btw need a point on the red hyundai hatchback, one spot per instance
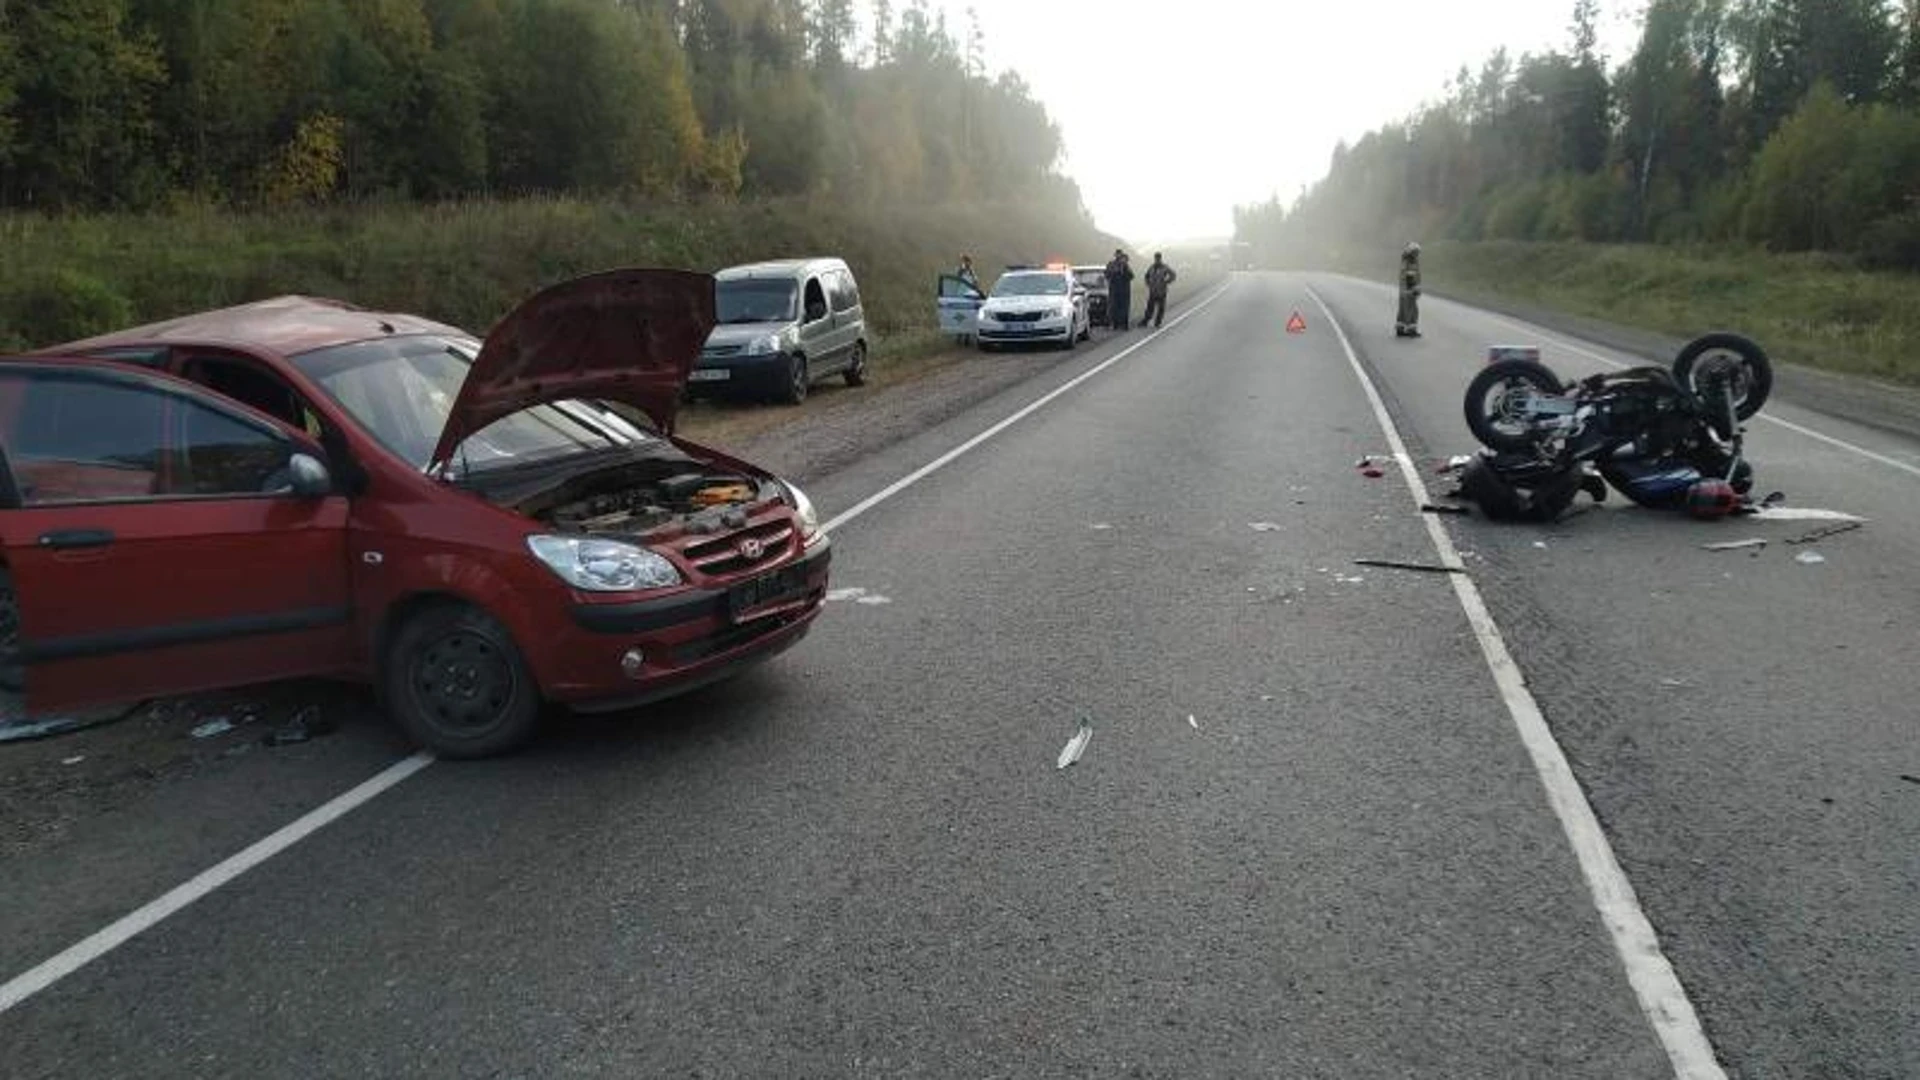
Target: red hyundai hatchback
(299, 488)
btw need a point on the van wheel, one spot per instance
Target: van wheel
(856, 373)
(798, 382)
(457, 685)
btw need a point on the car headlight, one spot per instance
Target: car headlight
(810, 532)
(1066, 310)
(603, 565)
(762, 346)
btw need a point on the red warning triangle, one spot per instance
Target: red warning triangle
(1296, 325)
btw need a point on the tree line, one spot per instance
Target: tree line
(1792, 125)
(144, 104)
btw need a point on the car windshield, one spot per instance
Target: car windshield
(1031, 285)
(755, 300)
(402, 389)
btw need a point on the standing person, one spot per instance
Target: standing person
(1159, 276)
(1407, 322)
(1119, 291)
(965, 273)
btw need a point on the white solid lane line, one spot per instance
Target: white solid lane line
(1658, 989)
(1581, 350)
(952, 455)
(85, 951)
(120, 931)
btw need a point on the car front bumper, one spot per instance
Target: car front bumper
(1056, 329)
(687, 640)
(740, 374)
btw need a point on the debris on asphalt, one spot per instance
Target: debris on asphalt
(1810, 558)
(1100, 526)
(1910, 779)
(1076, 745)
(1541, 544)
(1345, 580)
(1454, 464)
(835, 596)
(1263, 526)
(307, 724)
(1266, 697)
(74, 760)
(17, 726)
(1430, 568)
(873, 600)
(217, 726)
(1675, 684)
(1435, 508)
(1736, 545)
(1830, 530)
(1193, 722)
(1799, 513)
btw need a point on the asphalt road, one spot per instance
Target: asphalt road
(862, 860)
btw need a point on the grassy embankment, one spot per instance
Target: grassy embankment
(1818, 310)
(468, 263)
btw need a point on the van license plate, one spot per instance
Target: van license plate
(770, 590)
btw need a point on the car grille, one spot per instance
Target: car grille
(1020, 316)
(722, 350)
(722, 555)
(733, 638)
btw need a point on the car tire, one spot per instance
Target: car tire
(798, 381)
(455, 682)
(856, 373)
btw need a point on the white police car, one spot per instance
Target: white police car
(1034, 305)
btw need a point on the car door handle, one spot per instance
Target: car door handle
(69, 539)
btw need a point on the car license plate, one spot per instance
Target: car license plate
(766, 591)
(710, 375)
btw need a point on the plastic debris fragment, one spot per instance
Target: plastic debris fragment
(1430, 568)
(1810, 558)
(1736, 545)
(1076, 745)
(218, 726)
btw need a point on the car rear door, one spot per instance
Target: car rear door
(154, 543)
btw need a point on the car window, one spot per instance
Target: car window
(77, 438)
(755, 300)
(401, 391)
(153, 356)
(845, 296)
(1031, 285)
(218, 454)
(816, 300)
(253, 385)
(952, 287)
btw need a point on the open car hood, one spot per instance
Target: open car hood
(629, 336)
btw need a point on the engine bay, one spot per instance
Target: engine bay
(644, 497)
(698, 501)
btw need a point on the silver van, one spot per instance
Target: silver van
(781, 327)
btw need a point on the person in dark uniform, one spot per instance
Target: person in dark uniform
(1119, 291)
(1159, 276)
(1407, 322)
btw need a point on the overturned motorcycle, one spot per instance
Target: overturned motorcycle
(1666, 438)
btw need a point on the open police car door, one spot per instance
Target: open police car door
(959, 306)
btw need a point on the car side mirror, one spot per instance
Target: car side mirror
(310, 477)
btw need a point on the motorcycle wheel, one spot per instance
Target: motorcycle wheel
(1752, 383)
(1496, 425)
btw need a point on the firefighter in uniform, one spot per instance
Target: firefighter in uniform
(1407, 322)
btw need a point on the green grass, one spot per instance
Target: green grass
(469, 263)
(1817, 310)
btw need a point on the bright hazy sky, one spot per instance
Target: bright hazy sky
(1175, 110)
